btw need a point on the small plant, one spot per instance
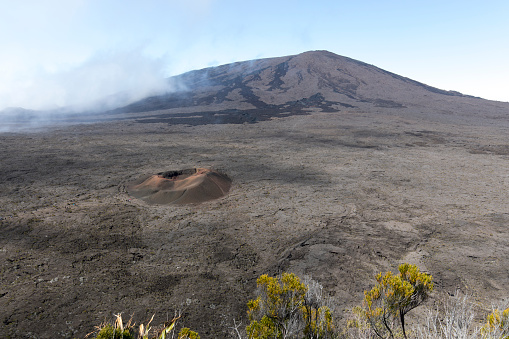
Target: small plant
(393, 297)
(186, 333)
(120, 331)
(144, 330)
(169, 331)
(453, 319)
(110, 332)
(288, 308)
(276, 311)
(497, 325)
(317, 311)
(116, 331)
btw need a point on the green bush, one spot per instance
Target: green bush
(497, 325)
(110, 332)
(386, 304)
(288, 308)
(186, 333)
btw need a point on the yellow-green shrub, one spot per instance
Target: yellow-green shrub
(393, 297)
(110, 332)
(284, 308)
(497, 325)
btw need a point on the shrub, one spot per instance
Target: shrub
(393, 297)
(318, 318)
(116, 331)
(275, 313)
(288, 308)
(110, 332)
(453, 319)
(186, 333)
(497, 325)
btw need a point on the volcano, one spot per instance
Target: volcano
(316, 81)
(265, 89)
(190, 186)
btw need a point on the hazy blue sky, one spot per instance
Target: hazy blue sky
(68, 52)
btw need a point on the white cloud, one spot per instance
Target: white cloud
(129, 75)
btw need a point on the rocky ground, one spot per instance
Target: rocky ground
(338, 196)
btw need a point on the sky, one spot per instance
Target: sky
(59, 53)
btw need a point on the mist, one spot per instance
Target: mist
(105, 81)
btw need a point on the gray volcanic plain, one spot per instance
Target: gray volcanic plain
(339, 170)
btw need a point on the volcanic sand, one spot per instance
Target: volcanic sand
(338, 196)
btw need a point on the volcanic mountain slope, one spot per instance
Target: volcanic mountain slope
(262, 89)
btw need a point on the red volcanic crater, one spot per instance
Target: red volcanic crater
(189, 186)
